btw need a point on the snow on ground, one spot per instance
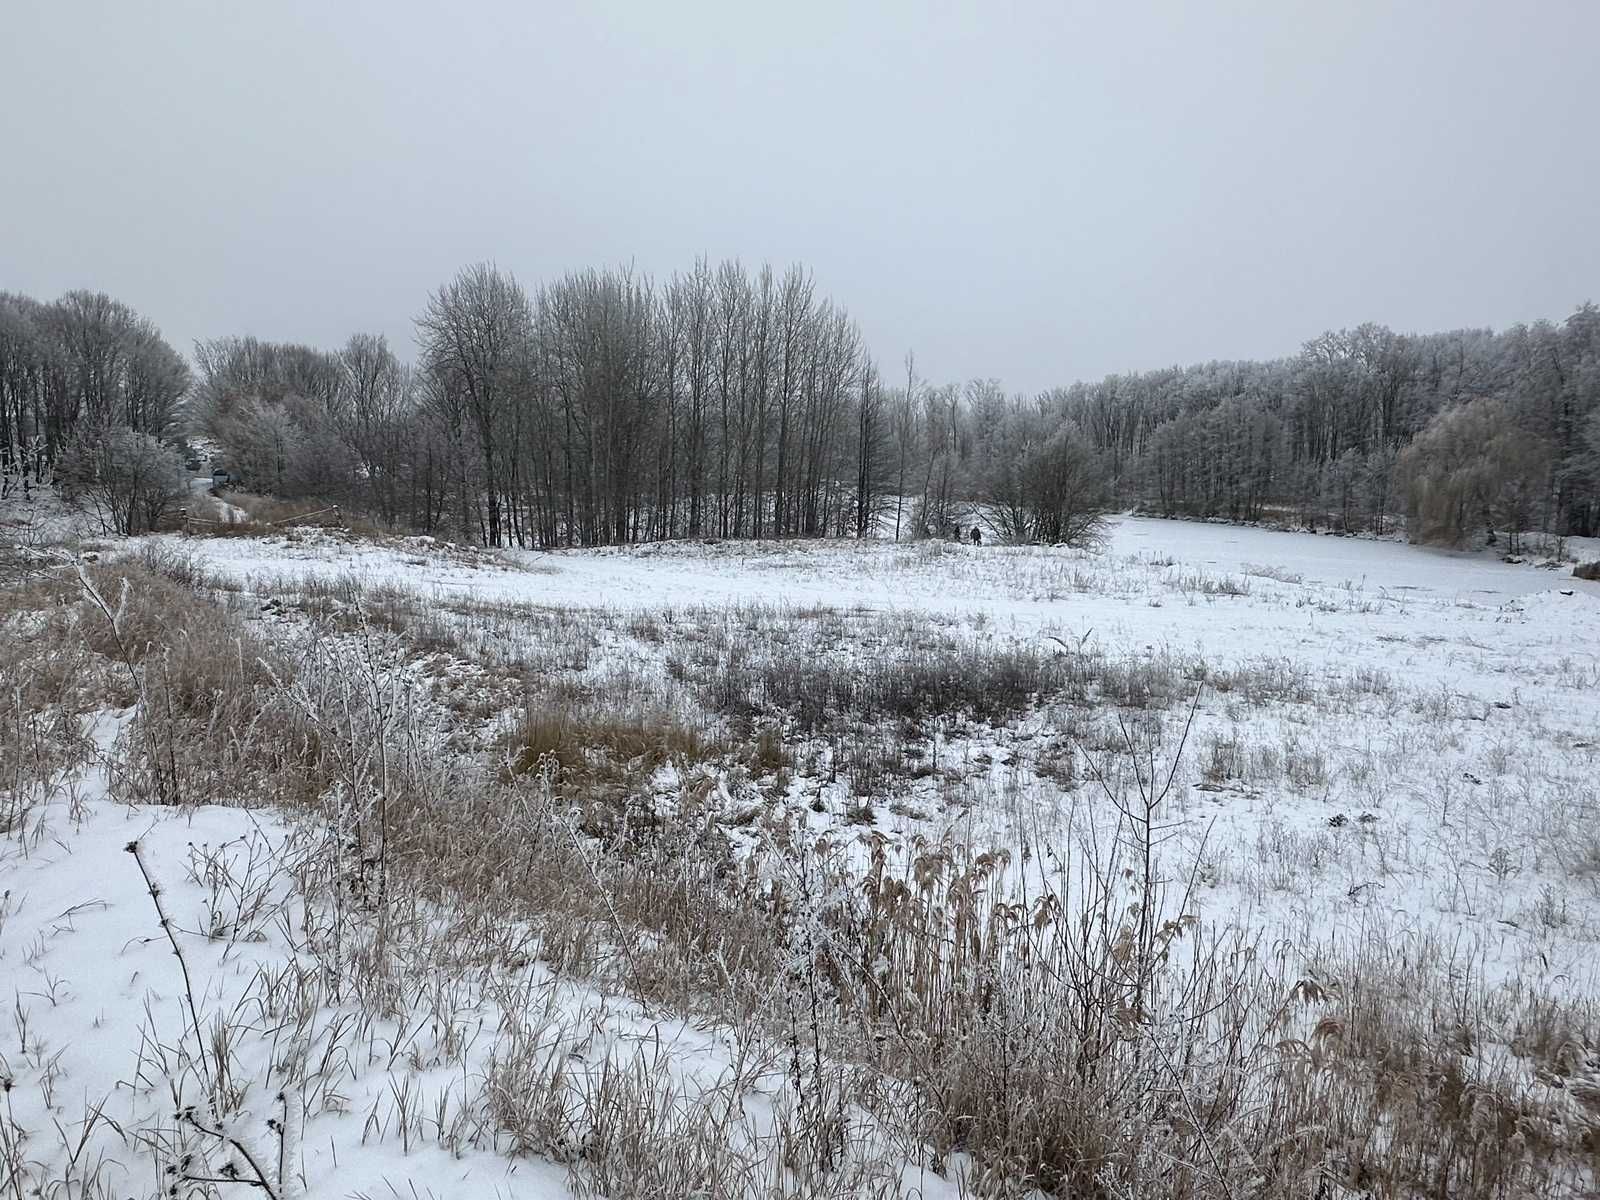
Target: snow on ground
(1465, 621)
(38, 516)
(99, 1061)
(102, 1035)
(1452, 698)
(1426, 777)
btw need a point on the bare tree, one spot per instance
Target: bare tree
(373, 420)
(155, 380)
(904, 409)
(872, 431)
(1066, 491)
(475, 335)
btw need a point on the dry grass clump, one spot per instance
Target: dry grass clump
(1265, 681)
(1199, 583)
(48, 682)
(349, 604)
(1220, 1075)
(1582, 852)
(211, 722)
(1062, 1042)
(606, 761)
(75, 637)
(587, 753)
(1432, 1082)
(976, 680)
(575, 751)
(37, 586)
(1078, 1038)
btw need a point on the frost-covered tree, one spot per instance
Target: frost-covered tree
(128, 480)
(83, 361)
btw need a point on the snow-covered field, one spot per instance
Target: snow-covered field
(1453, 697)
(1368, 757)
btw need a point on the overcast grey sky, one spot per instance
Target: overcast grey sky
(1039, 192)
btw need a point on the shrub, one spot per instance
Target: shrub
(129, 481)
(965, 678)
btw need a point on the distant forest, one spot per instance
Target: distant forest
(607, 407)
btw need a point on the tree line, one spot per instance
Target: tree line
(608, 407)
(1459, 433)
(91, 397)
(84, 364)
